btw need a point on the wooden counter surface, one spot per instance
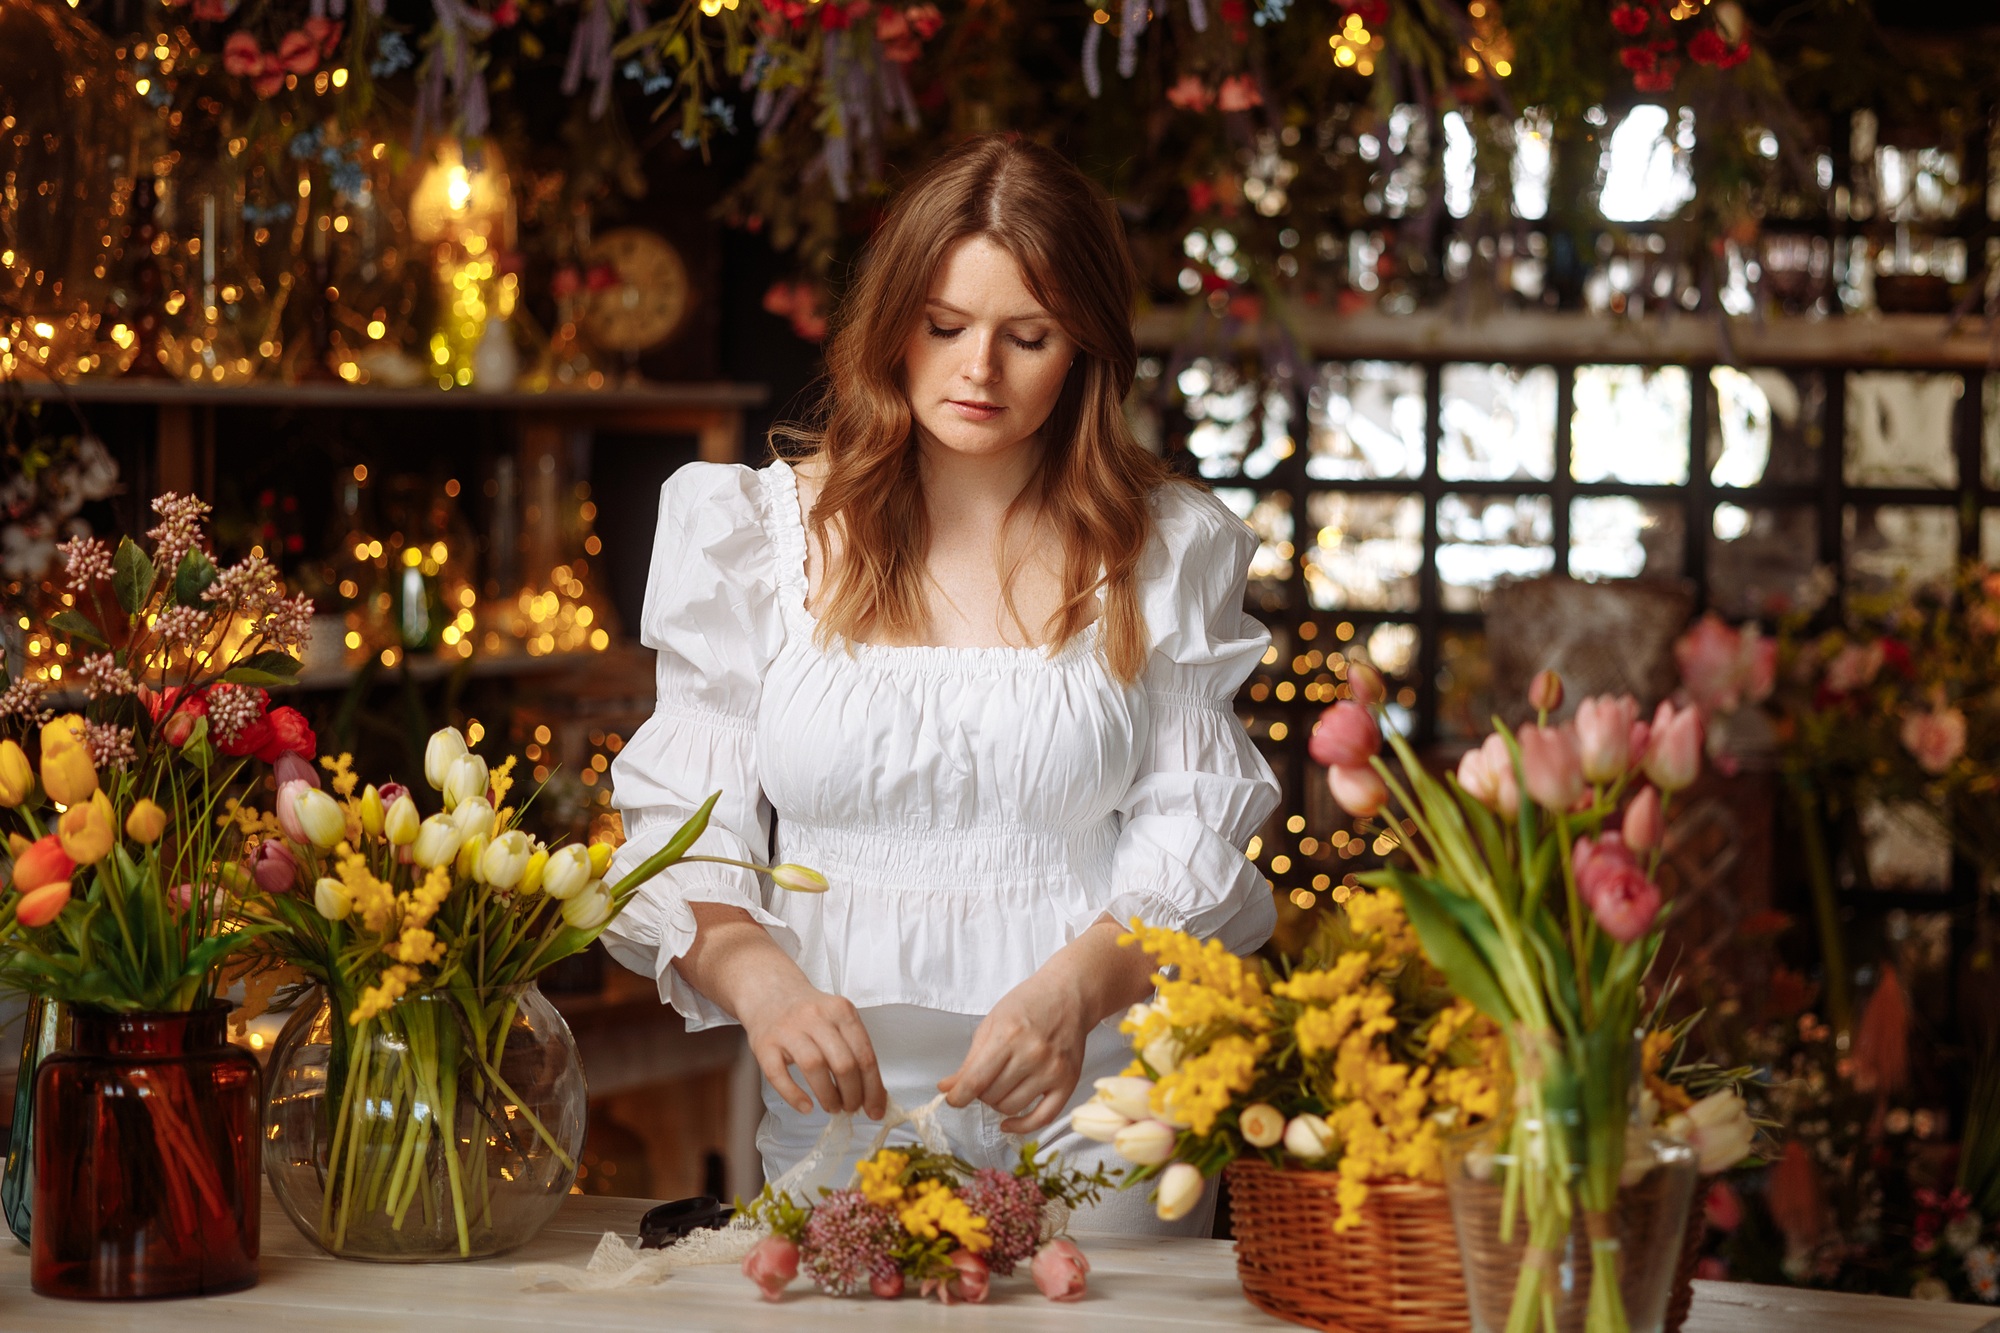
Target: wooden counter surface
(1134, 1285)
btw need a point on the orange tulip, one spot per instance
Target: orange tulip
(40, 863)
(89, 830)
(43, 905)
(67, 773)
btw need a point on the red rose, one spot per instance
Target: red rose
(1630, 19)
(249, 741)
(290, 734)
(1638, 59)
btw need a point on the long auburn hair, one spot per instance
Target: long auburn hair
(1095, 479)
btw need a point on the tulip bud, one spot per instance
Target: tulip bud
(567, 871)
(372, 811)
(1128, 1094)
(42, 906)
(600, 857)
(531, 876)
(1545, 691)
(320, 816)
(1162, 1054)
(16, 844)
(796, 879)
(1487, 775)
(1673, 751)
(1365, 683)
(1550, 767)
(1344, 737)
(1097, 1120)
(445, 748)
(180, 727)
(505, 860)
(287, 808)
(17, 776)
(332, 898)
(1308, 1137)
(772, 1263)
(1261, 1124)
(401, 821)
(88, 831)
(589, 909)
(68, 776)
(473, 816)
(436, 842)
(41, 862)
(470, 862)
(273, 866)
(291, 768)
(1604, 736)
(1359, 791)
(1645, 822)
(1180, 1190)
(1146, 1142)
(146, 822)
(464, 780)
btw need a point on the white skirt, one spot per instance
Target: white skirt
(914, 1048)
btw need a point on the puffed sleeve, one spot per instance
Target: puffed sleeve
(712, 613)
(1202, 787)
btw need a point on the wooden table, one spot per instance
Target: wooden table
(1135, 1285)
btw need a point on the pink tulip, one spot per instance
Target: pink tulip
(1487, 774)
(1059, 1270)
(1549, 764)
(1545, 691)
(1612, 885)
(1725, 668)
(1854, 667)
(968, 1282)
(1345, 737)
(181, 896)
(288, 811)
(1721, 1207)
(1673, 751)
(1604, 736)
(1365, 683)
(772, 1265)
(887, 1284)
(274, 867)
(1645, 821)
(1359, 791)
(291, 768)
(1934, 739)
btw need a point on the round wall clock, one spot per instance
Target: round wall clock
(649, 300)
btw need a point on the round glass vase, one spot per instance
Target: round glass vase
(1643, 1235)
(446, 1127)
(145, 1153)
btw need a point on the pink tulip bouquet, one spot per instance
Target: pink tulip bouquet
(1530, 876)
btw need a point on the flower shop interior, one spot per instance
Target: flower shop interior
(1553, 354)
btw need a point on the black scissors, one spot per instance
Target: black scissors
(667, 1223)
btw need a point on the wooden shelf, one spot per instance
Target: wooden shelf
(640, 398)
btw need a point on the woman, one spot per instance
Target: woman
(975, 656)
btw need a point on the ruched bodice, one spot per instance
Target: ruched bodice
(973, 808)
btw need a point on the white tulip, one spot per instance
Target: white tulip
(1097, 1120)
(1162, 1054)
(436, 842)
(324, 822)
(465, 779)
(1261, 1124)
(1308, 1137)
(332, 898)
(402, 821)
(1146, 1142)
(473, 816)
(506, 859)
(591, 908)
(1718, 1128)
(445, 748)
(567, 872)
(1180, 1190)
(1128, 1095)
(798, 879)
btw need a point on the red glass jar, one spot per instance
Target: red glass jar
(146, 1159)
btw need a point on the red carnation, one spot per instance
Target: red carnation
(290, 734)
(1708, 48)
(1638, 59)
(1660, 80)
(1630, 19)
(1734, 56)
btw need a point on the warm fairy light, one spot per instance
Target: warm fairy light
(340, 78)
(376, 328)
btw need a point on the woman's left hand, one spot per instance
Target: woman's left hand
(1027, 1054)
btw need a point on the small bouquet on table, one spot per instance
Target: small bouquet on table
(123, 899)
(431, 1105)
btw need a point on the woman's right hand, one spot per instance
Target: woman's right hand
(790, 1023)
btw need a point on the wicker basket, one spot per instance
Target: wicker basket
(1397, 1272)
(1682, 1299)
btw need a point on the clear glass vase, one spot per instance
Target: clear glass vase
(1642, 1235)
(447, 1127)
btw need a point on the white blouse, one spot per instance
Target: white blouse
(975, 809)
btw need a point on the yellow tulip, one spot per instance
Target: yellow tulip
(372, 811)
(88, 830)
(17, 776)
(146, 822)
(600, 856)
(67, 773)
(531, 878)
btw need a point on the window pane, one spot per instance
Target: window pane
(1366, 551)
(1464, 687)
(1485, 538)
(1366, 420)
(1630, 425)
(1899, 429)
(1892, 545)
(1497, 423)
(1992, 433)
(1221, 411)
(1270, 517)
(1989, 536)
(1761, 558)
(1621, 537)
(1767, 426)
